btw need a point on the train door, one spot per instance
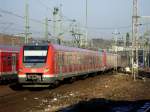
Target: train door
(0, 63)
(14, 62)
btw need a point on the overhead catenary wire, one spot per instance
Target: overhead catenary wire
(19, 16)
(66, 19)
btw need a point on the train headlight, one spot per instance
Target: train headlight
(46, 70)
(20, 70)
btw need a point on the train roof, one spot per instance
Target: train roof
(64, 48)
(9, 48)
(67, 48)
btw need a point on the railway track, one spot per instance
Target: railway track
(145, 107)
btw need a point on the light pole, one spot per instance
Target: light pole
(116, 33)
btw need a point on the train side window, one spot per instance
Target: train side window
(90, 60)
(79, 58)
(4, 58)
(14, 60)
(9, 57)
(68, 58)
(93, 60)
(62, 58)
(99, 59)
(74, 59)
(9, 63)
(58, 59)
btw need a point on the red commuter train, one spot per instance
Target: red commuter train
(8, 63)
(42, 65)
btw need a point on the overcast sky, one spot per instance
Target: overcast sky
(104, 16)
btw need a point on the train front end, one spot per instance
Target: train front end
(35, 66)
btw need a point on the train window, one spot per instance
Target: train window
(79, 59)
(9, 63)
(14, 60)
(35, 54)
(74, 58)
(9, 57)
(35, 47)
(93, 60)
(34, 59)
(60, 59)
(83, 61)
(90, 60)
(69, 59)
(63, 59)
(64, 56)
(57, 59)
(4, 58)
(100, 59)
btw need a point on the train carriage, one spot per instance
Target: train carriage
(8, 63)
(41, 65)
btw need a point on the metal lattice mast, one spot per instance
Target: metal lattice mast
(46, 28)
(60, 35)
(55, 23)
(26, 22)
(135, 37)
(86, 24)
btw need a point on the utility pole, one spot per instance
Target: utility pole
(55, 12)
(127, 44)
(46, 28)
(75, 31)
(56, 26)
(116, 33)
(135, 37)
(26, 22)
(60, 24)
(86, 24)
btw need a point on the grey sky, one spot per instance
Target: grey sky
(104, 16)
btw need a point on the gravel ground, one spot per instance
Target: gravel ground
(108, 92)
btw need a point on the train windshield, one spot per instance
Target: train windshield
(35, 54)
